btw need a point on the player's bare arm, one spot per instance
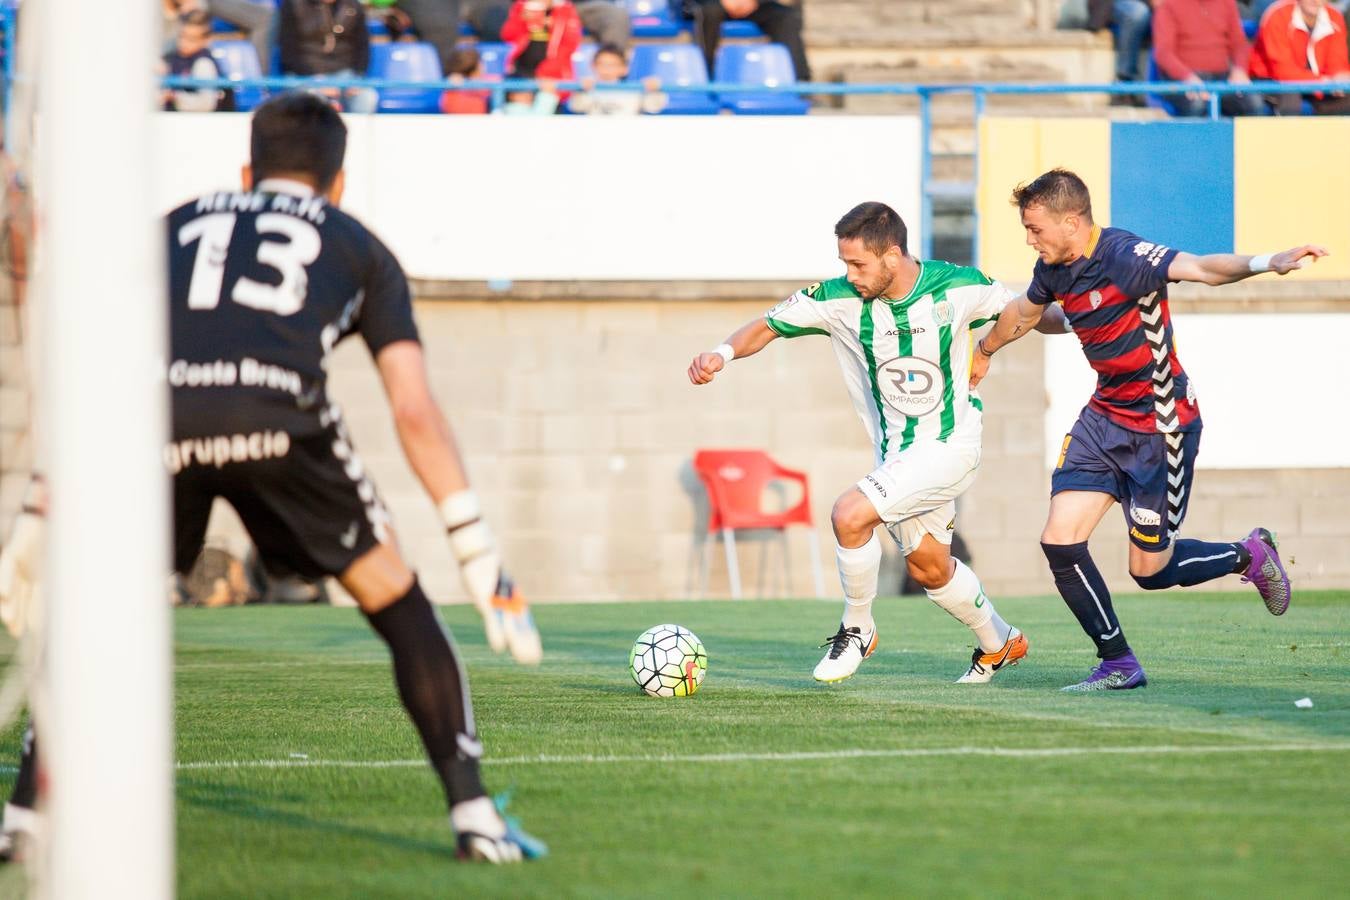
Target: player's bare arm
(1226, 268)
(747, 340)
(1018, 317)
(423, 431)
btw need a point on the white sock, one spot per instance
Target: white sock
(478, 815)
(858, 568)
(21, 818)
(965, 600)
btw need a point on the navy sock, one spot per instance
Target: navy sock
(1082, 587)
(434, 690)
(1195, 562)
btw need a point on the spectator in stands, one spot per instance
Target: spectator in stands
(1131, 18)
(781, 20)
(191, 57)
(543, 102)
(330, 38)
(254, 19)
(434, 21)
(610, 66)
(465, 65)
(1203, 40)
(1303, 40)
(543, 35)
(607, 20)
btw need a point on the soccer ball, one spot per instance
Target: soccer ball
(668, 661)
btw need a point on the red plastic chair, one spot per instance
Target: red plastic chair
(735, 481)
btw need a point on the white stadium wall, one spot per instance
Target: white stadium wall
(598, 198)
(1267, 387)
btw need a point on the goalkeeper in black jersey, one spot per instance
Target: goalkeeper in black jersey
(264, 282)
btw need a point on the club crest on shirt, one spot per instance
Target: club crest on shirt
(942, 312)
(910, 385)
(1095, 298)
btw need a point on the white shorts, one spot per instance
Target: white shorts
(915, 493)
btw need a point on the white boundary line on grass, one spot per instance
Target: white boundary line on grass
(801, 756)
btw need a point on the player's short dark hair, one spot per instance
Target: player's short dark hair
(879, 227)
(612, 50)
(1058, 191)
(463, 61)
(197, 18)
(298, 132)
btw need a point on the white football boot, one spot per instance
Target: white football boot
(848, 648)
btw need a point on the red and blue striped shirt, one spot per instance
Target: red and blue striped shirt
(1115, 299)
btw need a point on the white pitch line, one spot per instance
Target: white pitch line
(800, 756)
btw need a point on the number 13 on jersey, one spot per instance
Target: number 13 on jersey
(214, 233)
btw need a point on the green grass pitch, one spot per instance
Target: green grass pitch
(1207, 782)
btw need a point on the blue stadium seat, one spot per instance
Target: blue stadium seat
(493, 56)
(581, 60)
(680, 64)
(236, 61)
(406, 62)
(652, 18)
(740, 28)
(766, 64)
(377, 27)
(1158, 101)
(1250, 27)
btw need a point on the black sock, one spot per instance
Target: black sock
(1195, 562)
(1082, 587)
(25, 785)
(434, 690)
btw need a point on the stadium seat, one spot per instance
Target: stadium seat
(680, 64)
(1158, 101)
(766, 64)
(493, 56)
(406, 62)
(581, 60)
(735, 481)
(652, 18)
(740, 28)
(236, 61)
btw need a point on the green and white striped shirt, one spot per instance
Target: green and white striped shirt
(906, 362)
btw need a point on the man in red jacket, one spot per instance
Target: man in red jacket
(1202, 40)
(543, 35)
(1303, 40)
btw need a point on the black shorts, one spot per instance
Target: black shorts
(307, 503)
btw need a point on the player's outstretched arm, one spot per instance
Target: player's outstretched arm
(429, 445)
(747, 340)
(1018, 317)
(1225, 268)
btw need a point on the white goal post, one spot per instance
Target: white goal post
(104, 715)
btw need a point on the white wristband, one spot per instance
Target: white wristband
(725, 351)
(1261, 263)
(459, 508)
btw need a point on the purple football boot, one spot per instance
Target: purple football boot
(1112, 675)
(1267, 572)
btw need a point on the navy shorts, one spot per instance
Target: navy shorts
(1149, 473)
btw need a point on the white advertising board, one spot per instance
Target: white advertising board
(593, 198)
(1269, 388)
